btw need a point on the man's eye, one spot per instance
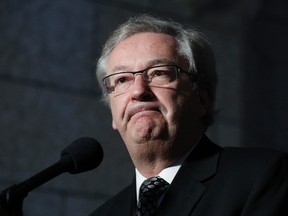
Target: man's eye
(160, 73)
(121, 80)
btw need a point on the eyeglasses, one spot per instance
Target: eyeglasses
(156, 76)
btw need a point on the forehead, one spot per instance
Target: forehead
(143, 50)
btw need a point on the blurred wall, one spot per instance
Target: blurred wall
(265, 75)
(49, 96)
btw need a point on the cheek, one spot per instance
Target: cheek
(117, 107)
(184, 104)
(113, 110)
(114, 126)
(173, 105)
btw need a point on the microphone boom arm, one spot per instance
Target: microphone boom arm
(12, 198)
(82, 155)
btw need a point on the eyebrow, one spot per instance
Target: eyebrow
(151, 63)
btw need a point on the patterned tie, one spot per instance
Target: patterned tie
(150, 191)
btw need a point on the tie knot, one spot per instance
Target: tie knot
(153, 187)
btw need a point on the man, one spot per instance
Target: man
(159, 80)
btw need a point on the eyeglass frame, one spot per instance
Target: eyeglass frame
(178, 70)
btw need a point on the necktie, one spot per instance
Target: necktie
(150, 192)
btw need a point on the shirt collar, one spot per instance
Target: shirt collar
(167, 174)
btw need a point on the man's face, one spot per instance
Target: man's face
(154, 120)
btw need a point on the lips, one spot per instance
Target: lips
(138, 108)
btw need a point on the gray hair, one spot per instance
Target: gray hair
(192, 46)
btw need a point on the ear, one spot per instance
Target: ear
(114, 125)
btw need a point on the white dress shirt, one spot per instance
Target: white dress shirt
(167, 174)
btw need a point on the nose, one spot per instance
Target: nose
(140, 89)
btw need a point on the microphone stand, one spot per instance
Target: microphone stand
(11, 204)
(82, 155)
(11, 199)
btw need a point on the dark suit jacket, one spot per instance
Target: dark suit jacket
(216, 181)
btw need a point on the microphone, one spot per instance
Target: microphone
(82, 155)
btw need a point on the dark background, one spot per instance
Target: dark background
(49, 95)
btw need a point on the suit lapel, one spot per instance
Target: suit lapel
(125, 202)
(187, 188)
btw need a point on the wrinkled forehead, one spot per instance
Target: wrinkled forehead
(143, 50)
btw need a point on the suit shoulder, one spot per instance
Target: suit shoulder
(252, 158)
(106, 207)
(253, 152)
